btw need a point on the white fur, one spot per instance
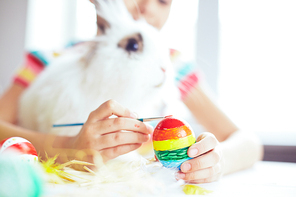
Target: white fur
(69, 89)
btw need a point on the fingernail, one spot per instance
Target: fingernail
(180, 176)
(186, 167)
(192, 152)
(134, 115)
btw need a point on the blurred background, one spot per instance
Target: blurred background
(246, 50)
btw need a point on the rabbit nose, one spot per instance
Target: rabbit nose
(163, 70)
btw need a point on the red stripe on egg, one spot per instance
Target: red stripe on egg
(2, 142)
(22, 148)
(168, 123)
(171, 134)
(171, 128)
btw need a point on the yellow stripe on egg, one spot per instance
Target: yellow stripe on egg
(174, 144)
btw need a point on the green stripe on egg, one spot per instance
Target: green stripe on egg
(172, 155)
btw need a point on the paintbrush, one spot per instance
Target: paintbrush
(80, 124)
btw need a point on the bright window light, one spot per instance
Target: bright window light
(180, 29)
(50, 24)
(257, 83)
(86, 27)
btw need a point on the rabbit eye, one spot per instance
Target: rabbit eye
(132, 45)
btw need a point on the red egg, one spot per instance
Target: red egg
(20, 147)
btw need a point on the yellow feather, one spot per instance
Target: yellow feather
(55, 171)
(194, 190)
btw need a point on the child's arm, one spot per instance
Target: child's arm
(9, 103)
(98, 135)
(237, 150)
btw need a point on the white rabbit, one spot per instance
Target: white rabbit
(128, 63)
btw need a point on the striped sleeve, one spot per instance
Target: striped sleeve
(187, 75)
(34, 63)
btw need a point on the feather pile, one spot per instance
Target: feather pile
(139, 177)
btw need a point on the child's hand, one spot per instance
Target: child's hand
(103, 134)
(208, 163)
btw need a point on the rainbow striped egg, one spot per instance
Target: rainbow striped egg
(171, 140)
(20, 147)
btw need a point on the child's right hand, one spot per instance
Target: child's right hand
(104, 135)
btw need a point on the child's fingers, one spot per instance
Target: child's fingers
(201, 174)
(107, 109)
(120, 138)
(205, 143)
(114, 152)
(204, 161)
(116, 124)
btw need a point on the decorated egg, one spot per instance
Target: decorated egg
(171, 140)
(20, 147)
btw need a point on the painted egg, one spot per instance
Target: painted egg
(20, 147)
(171, 140)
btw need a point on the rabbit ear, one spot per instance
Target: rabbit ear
(110, 12)
(102, 24)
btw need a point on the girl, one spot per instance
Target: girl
(221, 150)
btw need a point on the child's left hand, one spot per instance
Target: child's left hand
(207, 165)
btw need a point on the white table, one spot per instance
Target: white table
(264, 179)
(276, 179)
